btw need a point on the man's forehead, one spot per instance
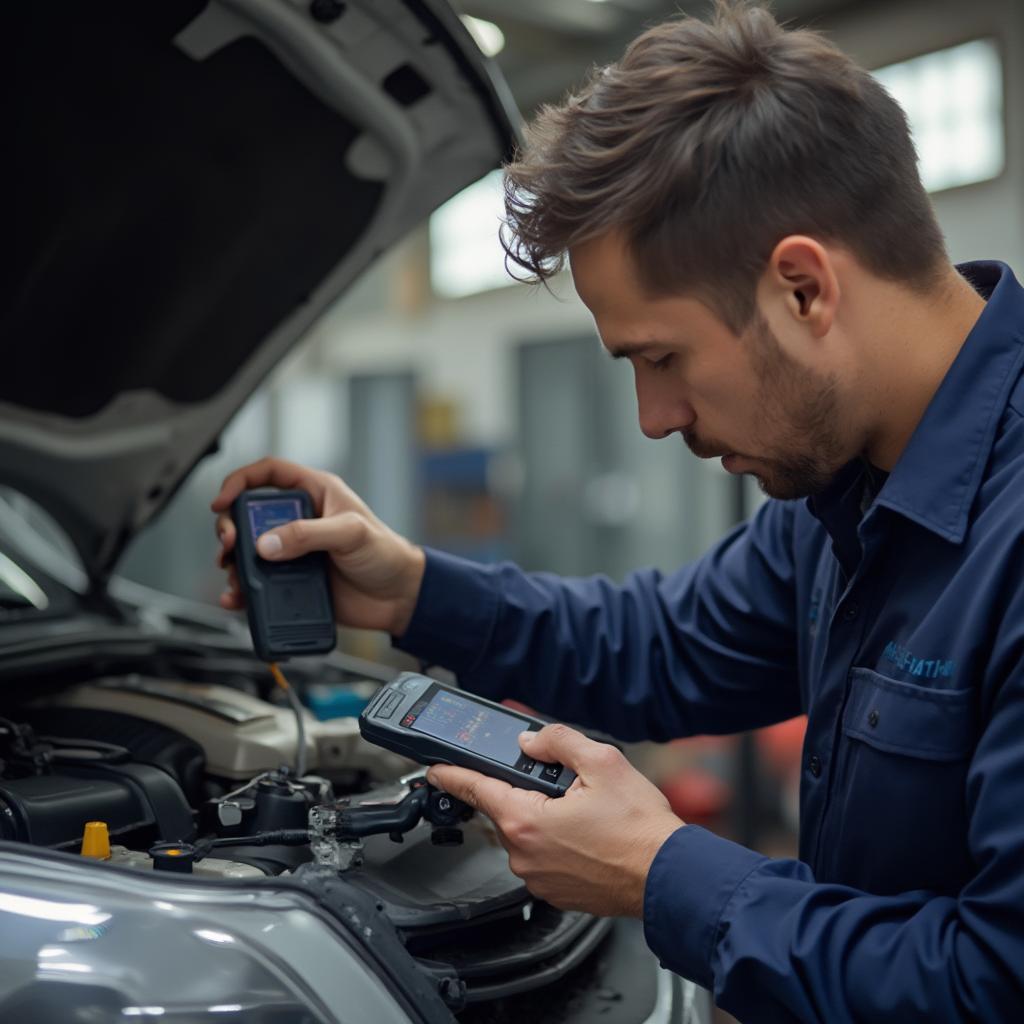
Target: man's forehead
(632, 321)
(605, 256)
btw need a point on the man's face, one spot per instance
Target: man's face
(741, 398)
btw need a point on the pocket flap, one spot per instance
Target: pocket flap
(904, 718)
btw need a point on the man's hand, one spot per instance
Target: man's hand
(376, 574)
(588, 850)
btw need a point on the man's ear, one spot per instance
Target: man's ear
(801, 273)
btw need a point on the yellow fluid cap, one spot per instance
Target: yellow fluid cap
(96, 840)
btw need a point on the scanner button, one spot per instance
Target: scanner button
(387, 709)
(552, 771)
(525, 764)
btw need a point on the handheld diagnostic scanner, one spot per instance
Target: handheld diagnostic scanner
(288, 603)
(436, 724)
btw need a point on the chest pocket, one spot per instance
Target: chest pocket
(899, 803)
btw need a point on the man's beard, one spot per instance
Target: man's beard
(797, 409)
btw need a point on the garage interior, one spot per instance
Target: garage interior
(434, 386)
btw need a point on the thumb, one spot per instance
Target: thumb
(340, 534)
(559, 743)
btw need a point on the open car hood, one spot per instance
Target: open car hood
(190, 184)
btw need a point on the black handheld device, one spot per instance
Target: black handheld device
(436, 724)
(288, 603)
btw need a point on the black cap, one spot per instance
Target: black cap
(177, 857)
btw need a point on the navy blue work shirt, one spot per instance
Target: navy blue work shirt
(899, 630)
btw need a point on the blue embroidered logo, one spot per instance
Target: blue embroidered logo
(814, 612)
(909, 663)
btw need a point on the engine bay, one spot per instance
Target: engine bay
(156, 760)
(201, 778)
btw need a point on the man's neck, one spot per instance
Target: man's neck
(915, 339)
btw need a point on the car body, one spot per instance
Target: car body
(194, 183)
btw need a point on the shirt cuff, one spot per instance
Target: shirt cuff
(455, 613)
(692, 878)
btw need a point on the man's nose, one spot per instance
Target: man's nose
(661, 415)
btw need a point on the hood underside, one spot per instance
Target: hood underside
(190, 184)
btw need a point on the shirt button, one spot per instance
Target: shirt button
(851, 611)
(815, 765)
(873, 717)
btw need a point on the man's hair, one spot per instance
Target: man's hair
(709, 142)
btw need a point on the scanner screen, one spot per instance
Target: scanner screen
(265, 515)
(472, 726)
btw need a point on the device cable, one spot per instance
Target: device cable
(296, 705)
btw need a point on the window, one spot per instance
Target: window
(954, 102)
(465, 254)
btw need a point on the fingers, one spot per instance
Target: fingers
(271, 473)
(226, 535)
(479, 791)
(559, 743)
(232, 598)
(340, 534)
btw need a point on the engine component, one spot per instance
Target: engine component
(328, 850)
(150, 742)
(96, 841)
(336, 832)
(240, 735)
(280, 804)
(177, 858)
(51, 786)
(270, 801)
(52, 809)
(208, 867)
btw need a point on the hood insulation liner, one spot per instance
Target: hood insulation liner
(163, 214)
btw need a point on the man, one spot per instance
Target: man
(742, 214)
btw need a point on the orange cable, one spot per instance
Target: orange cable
(275, 671)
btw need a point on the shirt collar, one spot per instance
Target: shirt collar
(935, 480)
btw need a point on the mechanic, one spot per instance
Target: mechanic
(741, 212)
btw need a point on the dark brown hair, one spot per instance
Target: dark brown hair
(709, 142)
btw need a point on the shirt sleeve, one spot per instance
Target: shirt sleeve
(708, 649)
(777, 946)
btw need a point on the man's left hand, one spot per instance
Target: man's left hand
(588, 850)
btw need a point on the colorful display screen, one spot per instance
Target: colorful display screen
(472, 726)
(265, 515)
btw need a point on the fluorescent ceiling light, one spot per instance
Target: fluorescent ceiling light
(486, 35)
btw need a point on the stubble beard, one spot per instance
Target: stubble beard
(800, 408)
(797, 409)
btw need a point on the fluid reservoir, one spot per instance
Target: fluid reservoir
(208, 867)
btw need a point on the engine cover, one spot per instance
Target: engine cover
(239, 735)
(51, 810)
(125, 772)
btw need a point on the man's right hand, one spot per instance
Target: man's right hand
(375, 572)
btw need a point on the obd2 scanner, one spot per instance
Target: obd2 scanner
(288, 603)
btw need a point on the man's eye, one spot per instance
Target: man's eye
(660, 364)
